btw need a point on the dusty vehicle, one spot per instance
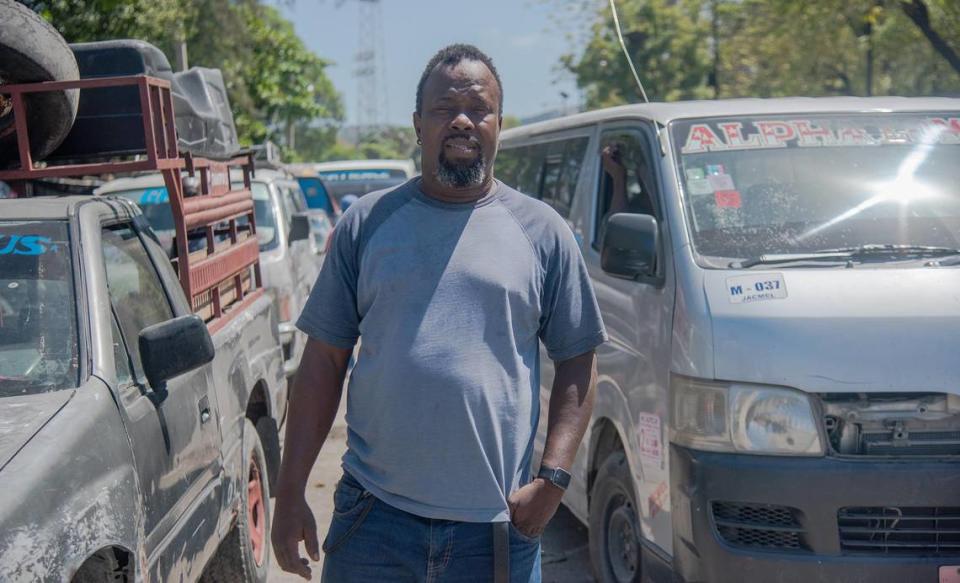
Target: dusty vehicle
(780, 396)
(140, 396)
(291, 245)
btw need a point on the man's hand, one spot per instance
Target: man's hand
(533, 505)
(293, 522)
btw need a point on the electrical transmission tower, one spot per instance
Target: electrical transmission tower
(370, 68)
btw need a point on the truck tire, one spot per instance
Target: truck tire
(614, 537)
(244, 556)
(31, 50)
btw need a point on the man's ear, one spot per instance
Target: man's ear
(416, 125)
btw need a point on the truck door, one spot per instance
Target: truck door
(171, 428)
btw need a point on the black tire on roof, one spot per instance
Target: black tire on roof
(31, 50)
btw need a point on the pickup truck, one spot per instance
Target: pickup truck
(140, 396)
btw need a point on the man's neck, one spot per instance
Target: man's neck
(432, 188)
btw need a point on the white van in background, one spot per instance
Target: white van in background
(358, 177)
(780, 279)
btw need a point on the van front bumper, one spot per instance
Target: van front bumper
(746, 518)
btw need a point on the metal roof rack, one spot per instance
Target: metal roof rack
(219, 280)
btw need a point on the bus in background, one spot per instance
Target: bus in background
(359, 177)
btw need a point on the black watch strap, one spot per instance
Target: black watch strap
(559, 477)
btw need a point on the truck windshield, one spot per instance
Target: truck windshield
(154, 202)
(38, 320)
(804, 184)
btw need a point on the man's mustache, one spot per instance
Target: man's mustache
(472, 139)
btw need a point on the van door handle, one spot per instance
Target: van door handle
(204, 406)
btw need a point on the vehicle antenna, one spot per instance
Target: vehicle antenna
(623, 45)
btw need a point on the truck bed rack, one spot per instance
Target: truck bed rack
(219, 281)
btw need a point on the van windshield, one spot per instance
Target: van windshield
(359, 182)
(804, 184)
(38, 318)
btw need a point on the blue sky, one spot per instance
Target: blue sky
(519, 35)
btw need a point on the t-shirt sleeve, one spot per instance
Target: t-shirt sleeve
(331, 314)
(570, 322)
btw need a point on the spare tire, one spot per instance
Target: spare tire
(31, 51)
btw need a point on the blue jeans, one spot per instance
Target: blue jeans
(372, 542)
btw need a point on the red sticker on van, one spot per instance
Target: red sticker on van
(727, 199)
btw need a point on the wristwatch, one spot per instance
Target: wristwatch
(559, 477)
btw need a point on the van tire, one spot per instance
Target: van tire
(236, 558)
(31, 50)
(614, 538)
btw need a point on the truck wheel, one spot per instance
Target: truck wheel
(614, 525)
(31, 51)
(245, 554)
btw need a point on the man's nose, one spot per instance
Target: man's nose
(462, 122)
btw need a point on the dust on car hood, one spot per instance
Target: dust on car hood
(23, 415)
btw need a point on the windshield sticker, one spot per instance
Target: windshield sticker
(804, 133)
(728, 199)
(25, 245)
(699, 187)
(154, 196)
(694, 173)
(747, 289)
(721, 182)
(715, 169)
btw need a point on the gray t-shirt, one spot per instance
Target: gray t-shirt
(451, 301)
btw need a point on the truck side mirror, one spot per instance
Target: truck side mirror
(299, 227)
(630, 245)
(174, 347)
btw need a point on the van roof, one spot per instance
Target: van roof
(664, 113)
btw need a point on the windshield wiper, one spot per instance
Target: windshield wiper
(847, 254)
(775, 258)
(875, 249)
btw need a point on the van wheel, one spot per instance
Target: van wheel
(30, 51)
(614, 525)
(245, 554)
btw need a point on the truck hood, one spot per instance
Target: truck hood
(838, 330)
(21, 417)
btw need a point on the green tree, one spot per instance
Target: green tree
(275, 83)
(766, 48)
(666, 39)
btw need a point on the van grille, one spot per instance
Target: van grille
(931, 531)
(759, 526)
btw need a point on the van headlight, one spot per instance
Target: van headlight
(742, 418)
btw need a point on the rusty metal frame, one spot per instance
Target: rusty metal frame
(216, 205)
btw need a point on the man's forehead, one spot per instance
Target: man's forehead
(463, 77)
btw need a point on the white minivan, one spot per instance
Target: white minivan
(780, 279)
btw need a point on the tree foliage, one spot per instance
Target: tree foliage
(687, 49)
(273, 80)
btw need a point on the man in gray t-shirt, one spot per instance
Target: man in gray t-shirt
(451, 281)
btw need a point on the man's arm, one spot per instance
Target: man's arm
(571, 404)
(314, 401)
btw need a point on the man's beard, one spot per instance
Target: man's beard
(454, 175)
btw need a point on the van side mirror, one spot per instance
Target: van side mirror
(630, 245)
(174, 347)
(299, 227)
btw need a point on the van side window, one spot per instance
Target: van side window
(561, 171)
(626, 178)
(136, 293)
(519, 168)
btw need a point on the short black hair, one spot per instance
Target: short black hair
(452, 55)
